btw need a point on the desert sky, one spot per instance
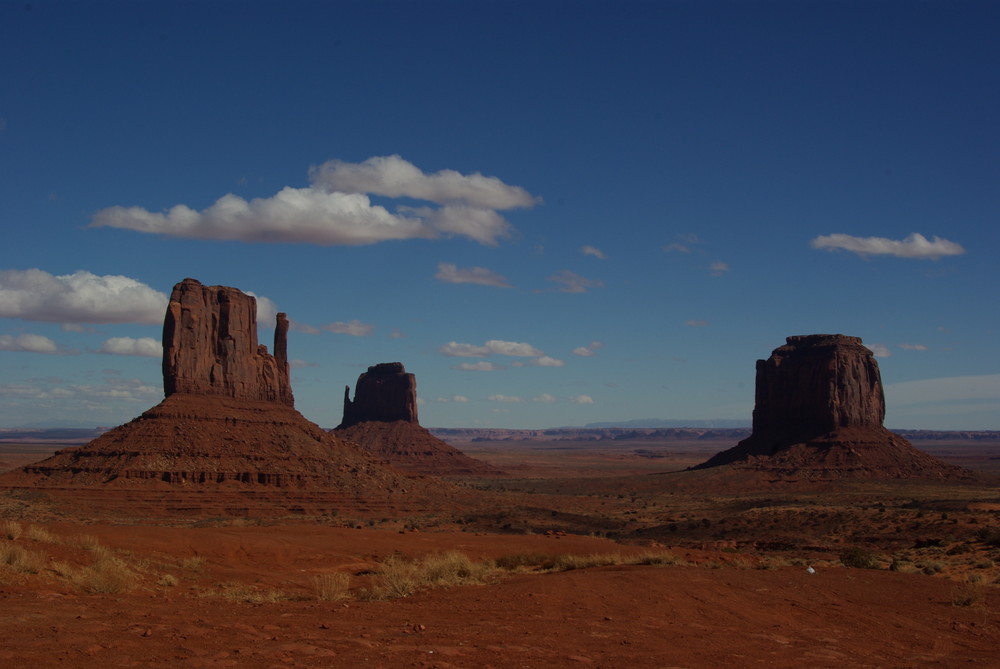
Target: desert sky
(553, 213)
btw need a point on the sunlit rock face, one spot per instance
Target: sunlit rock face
(210, 346)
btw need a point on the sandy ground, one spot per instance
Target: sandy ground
(717, 613)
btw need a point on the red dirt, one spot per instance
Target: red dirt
(626, 616)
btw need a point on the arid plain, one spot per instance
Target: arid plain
(586, 553)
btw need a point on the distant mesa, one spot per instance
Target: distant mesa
(818, 413)
(227, 417)
(382, 418)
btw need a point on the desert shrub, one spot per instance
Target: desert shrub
(87, 541)
(396, 578)
(332, 587)
(11, 529)
(858, 558)
(169, 581)
(524, 561)
(40, 534)
(193, 563)
(107, 574)
(989, 536)
(235, 591)
(569, 562)
(20, 559)
(970, 593)
(657, 558)
(930, 568)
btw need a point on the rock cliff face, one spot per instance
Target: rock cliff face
(382, 419)
(384, 393)
(818, 413)
(210, 346)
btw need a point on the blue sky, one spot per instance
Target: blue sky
(553, 213)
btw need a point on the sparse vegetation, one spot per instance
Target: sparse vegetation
(332, 586)
(20, 559)
(11, 529)
(858, 558)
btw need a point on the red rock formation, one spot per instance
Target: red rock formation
(210, 346)
(819, 412)
(382, 419)
(384, 393)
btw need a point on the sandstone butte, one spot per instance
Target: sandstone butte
(227, 419)
(819, 412)
(382, 418)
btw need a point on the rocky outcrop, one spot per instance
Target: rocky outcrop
(384, 393)
(382, 419)
(819, 411)
(210, 346)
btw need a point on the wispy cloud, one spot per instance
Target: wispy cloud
(913, 246)
(506, 399)
(355, 328)
(718, 268)
(571, 282)
(482, 366)
(544, 398)
(913, 347)
(588, 351)
(80, 297)
(948, 389)
(459, 399)
(593, 251)
(879, 350)
(146, 347)
(335, 208)
(683, 244)
(28, 343)
(304, 328)
(451, 273)
(493, 346)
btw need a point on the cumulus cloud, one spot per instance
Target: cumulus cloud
(451, 273)
(583, 399)
(143, 346)
(544, 398)
(547, 361)
(506, 399)
(267, 310)
(571, 282)
(354, 328)
(913, 246)
(879, 350)
(80, 297)
(28, 343)
(588, 351)
(483, 366)
(593, 251)
(493, 346)
(336, 210)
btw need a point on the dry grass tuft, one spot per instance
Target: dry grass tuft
(41, 535)
(970, 593)
(107, 574)
(332, 586)
(235, 591)
(11, 529)
(21, 560)
(398, 578)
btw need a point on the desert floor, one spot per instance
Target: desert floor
(586, 555)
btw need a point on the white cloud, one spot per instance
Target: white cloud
(393, 176)
(28, 343)
(336, 210)
(593, 251)
(879, 350)
(913, 246)
(301, 364)
(544, 398)
(949, 389)
(583, 399)
(304, 328)
(547, 361)
(459, 399)
(718, 268)
(696, 324)
(506, 399)
(493, 346)
(588, 351)
(483, 366)
(81, 297)
(913, 347)
(574, 283)
(354, 328)
(680, 248)
(130, 390)
(143, 346)
(450, 273)
(267, 310)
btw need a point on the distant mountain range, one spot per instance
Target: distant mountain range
(726, 423)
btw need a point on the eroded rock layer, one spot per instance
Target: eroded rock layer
(210, 346)
(818, 412)
(412, 448)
